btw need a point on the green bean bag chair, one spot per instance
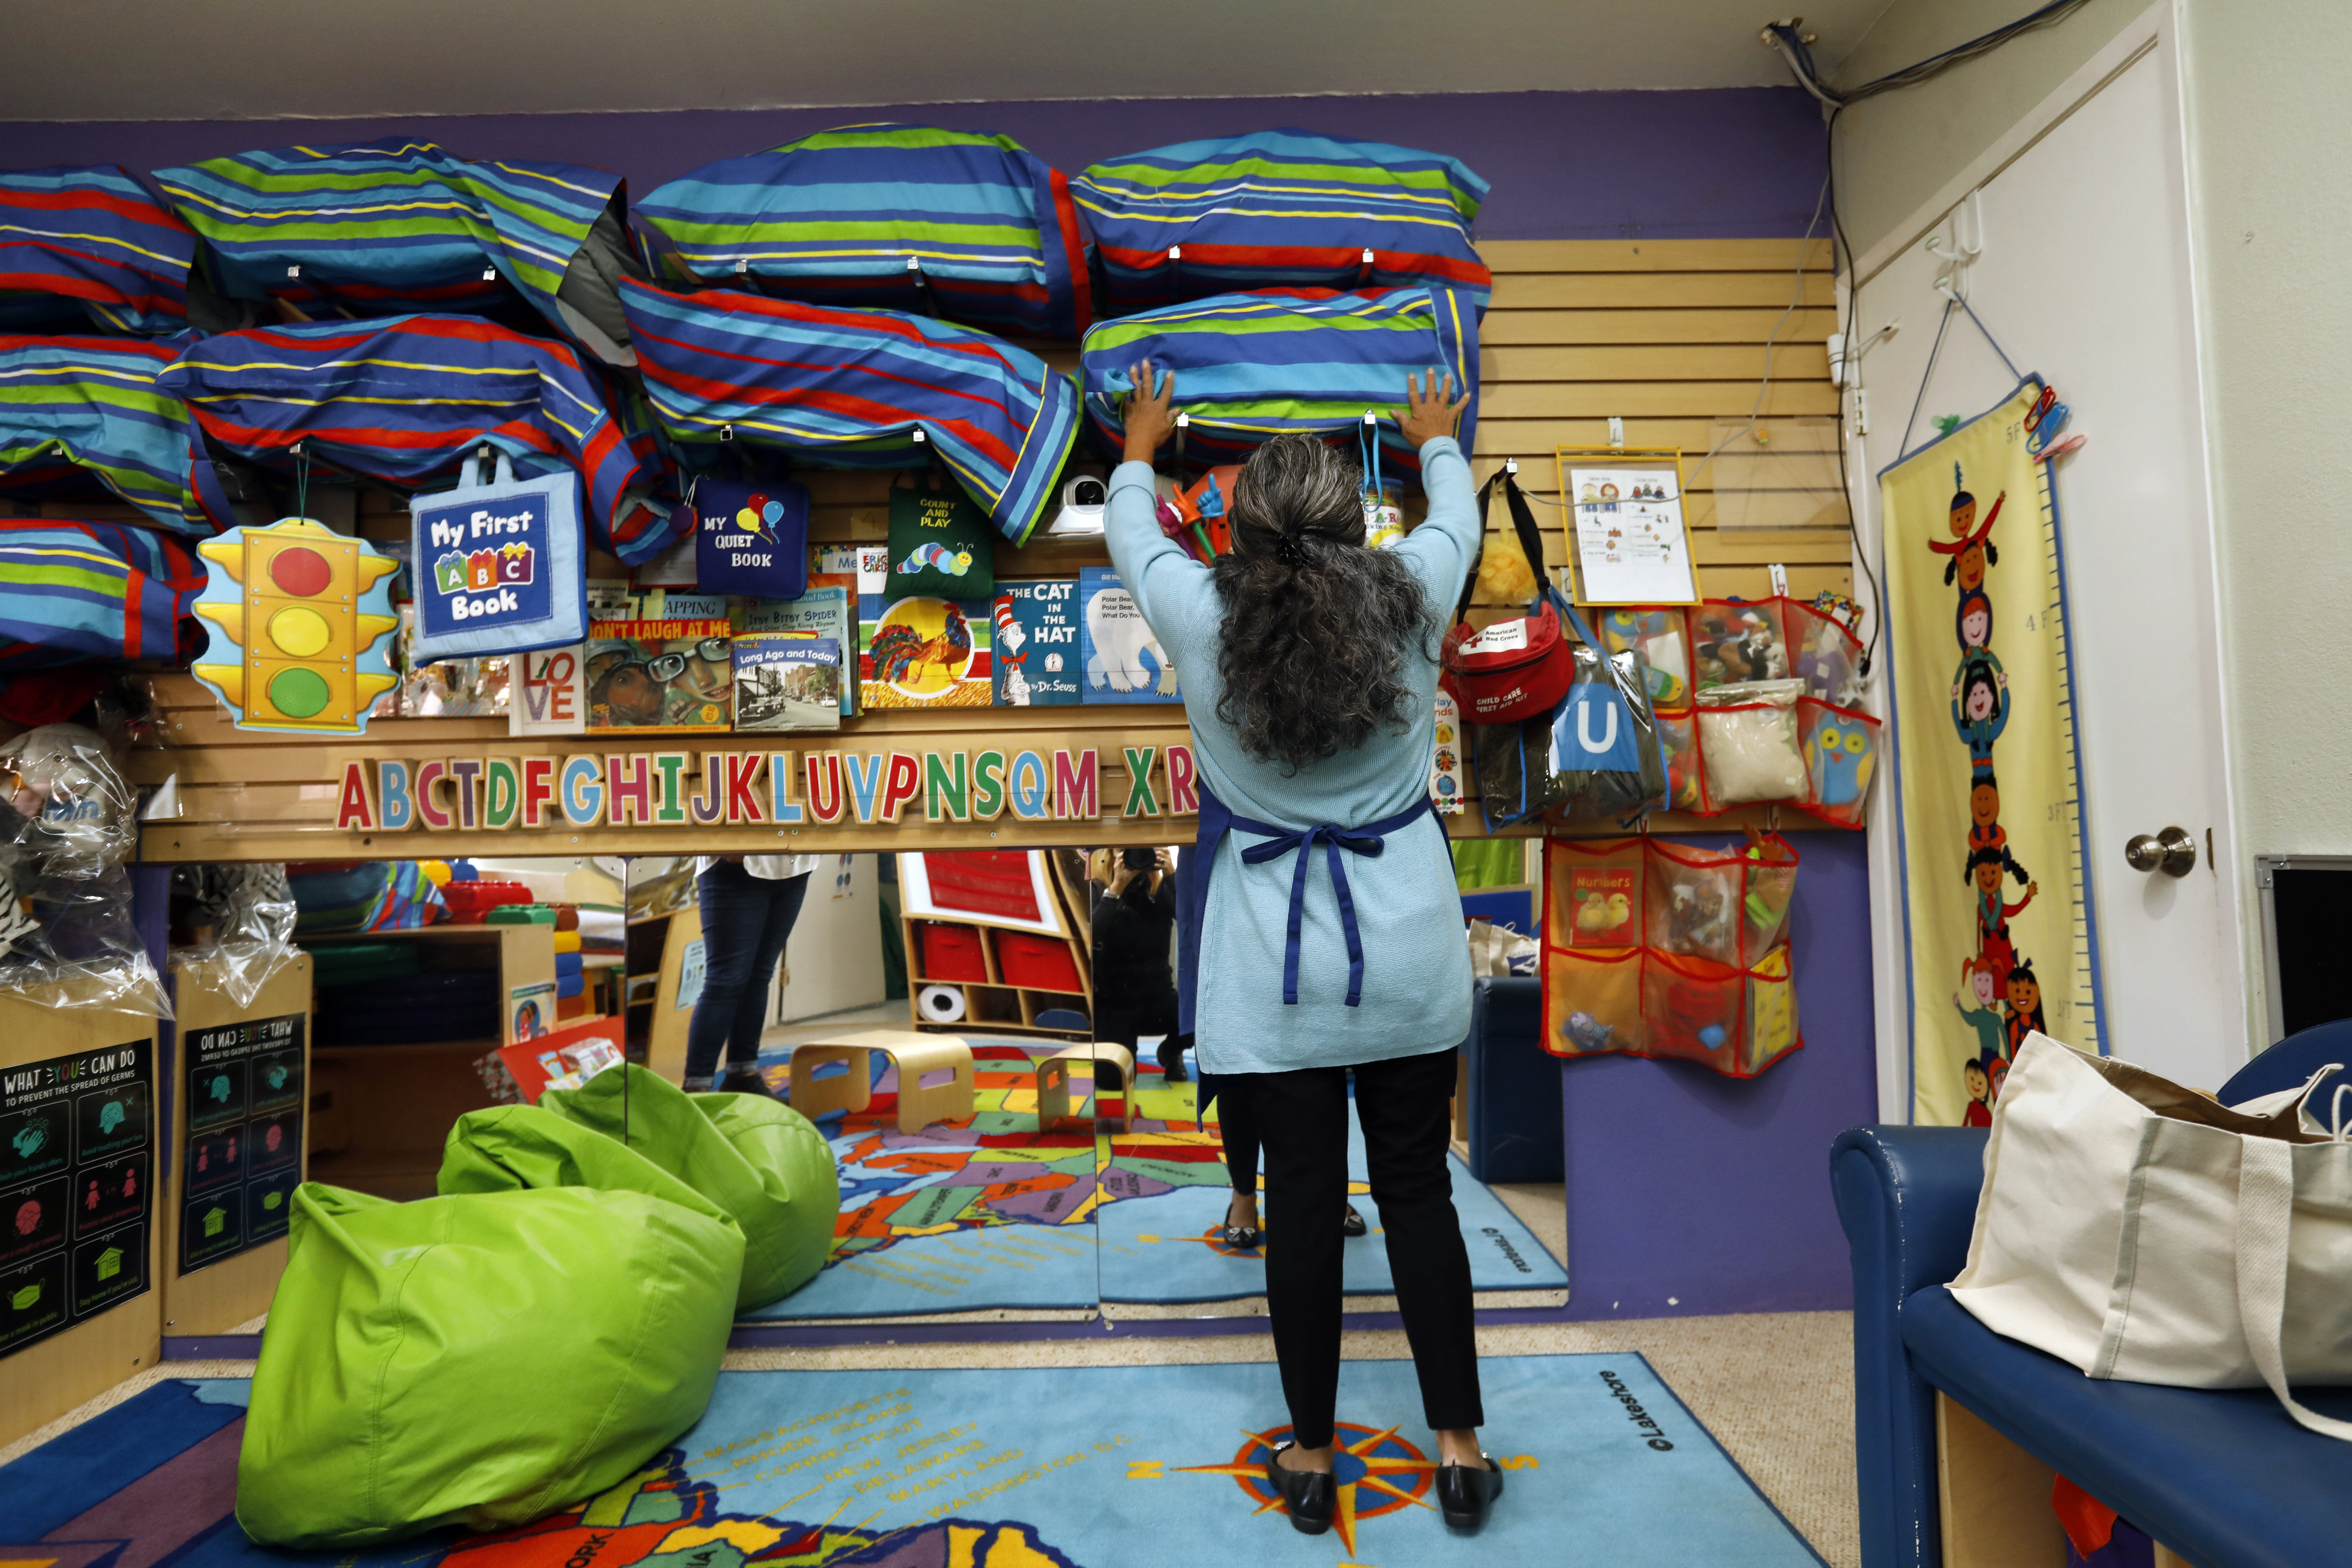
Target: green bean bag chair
(482, 1359)
(512, 1147)
(758, 1159)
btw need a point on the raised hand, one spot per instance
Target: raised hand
(1151, 414)
(1428, 413)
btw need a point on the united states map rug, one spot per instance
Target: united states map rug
(1050, 1467)
(988, 1213)
(1160, 1225)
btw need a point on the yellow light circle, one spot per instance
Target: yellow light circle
(298, 631)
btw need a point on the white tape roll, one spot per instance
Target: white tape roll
(940, 1004)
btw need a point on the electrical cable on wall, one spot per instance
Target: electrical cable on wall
(1795, 49)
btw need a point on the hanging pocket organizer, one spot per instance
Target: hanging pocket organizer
(1252, 367)
(85, 249)
(1279, 208)
(1658, 949)
(103, 407)
(837, 219)
(500, 564)
(385, 228)
(1755, 702)
(857, 389)
(405, 398)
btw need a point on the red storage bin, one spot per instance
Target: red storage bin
(950, 952)
(469, 902)
(1036, 963)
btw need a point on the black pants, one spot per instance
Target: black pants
(1238, 1132)
(1302, 1119)
(746, 920)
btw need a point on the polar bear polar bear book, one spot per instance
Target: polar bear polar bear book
(1125, 661)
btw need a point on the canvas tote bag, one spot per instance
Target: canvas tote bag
(2143, 1232)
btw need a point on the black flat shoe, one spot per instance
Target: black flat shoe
(1240, 1236)
(1171, 1060)
(1464, 1495)
(744, 1083)
(1309, 1496)
(1353, 1226)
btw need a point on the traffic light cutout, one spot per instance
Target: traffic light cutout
(297, 613)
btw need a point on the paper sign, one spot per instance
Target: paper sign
(1630, 544)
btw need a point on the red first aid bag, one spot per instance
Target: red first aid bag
(1518, 669)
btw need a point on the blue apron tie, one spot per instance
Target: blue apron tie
(1368, 839)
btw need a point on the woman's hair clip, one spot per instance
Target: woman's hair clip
(1289, 549)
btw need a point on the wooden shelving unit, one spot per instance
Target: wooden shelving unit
(381, 1113)
(995, 1005)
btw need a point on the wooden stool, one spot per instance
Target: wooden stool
(852, 1089)
(1053, 1080)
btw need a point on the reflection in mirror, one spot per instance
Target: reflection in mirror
(911, 1005)
(441, 988)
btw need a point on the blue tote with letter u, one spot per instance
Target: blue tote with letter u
(1594, 731)
(501, 565)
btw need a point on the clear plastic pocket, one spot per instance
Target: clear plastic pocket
(1841, 751)
(1598, 891)
(1695, 1009)
(1594, 1002)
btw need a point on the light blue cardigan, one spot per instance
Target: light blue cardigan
(1416, 994)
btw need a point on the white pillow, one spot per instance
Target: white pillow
(1747, 741)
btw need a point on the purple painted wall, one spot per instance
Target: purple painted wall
(1735, 162)
(1691, 1193)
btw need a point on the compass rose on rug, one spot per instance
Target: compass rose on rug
(1377, 1472)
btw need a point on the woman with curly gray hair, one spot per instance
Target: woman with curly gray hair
(1330, 928)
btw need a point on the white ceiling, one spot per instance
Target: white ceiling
(169, 60)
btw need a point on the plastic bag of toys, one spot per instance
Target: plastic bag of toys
(67, 824)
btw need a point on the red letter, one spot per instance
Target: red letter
(428, 778)
(633, 789)
(824, 785)
(1073, 786)
(1183, 798)
(537, 790)
(905, 783)
(354, 809)
(742, 805)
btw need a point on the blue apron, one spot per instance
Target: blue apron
(1215, 821)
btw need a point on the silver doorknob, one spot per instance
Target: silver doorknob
(2172, 852)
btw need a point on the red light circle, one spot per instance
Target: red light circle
(301, 571)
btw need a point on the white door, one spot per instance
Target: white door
(2085, 277)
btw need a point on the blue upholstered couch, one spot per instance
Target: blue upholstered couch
(2223, 1478)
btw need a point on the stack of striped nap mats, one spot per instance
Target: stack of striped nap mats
(179, 350)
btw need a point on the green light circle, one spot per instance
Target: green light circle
(300, 693)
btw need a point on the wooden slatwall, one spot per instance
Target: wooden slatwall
(1668, 335)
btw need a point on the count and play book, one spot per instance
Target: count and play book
(1036, 649)
(1122, 660)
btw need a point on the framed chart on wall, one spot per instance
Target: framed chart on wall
(1628, 539)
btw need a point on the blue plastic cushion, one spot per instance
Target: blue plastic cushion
(2293, 1060)
(2221, 1477)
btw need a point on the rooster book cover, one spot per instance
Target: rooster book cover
(1034, 627)
(921, 652)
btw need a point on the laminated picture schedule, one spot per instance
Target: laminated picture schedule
(244, 1153)
(77, 1147)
